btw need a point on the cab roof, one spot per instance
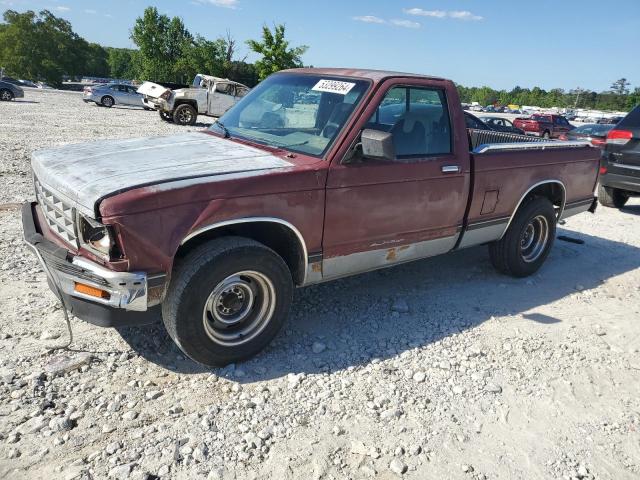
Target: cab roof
(368, 74)
(211, 78)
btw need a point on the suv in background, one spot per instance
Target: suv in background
(620, 165)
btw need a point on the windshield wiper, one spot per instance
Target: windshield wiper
(223, 128)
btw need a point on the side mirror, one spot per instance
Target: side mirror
(377, 145)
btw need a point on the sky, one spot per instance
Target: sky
(498, 43)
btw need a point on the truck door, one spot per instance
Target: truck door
(221, 98)
(382, 212)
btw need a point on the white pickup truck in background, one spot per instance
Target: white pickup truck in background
(208, 95)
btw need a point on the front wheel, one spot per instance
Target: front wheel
(546, 135)
(612, 197)
(165, 116)
(227, 300)
(528, 240)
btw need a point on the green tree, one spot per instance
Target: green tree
(633, 99)
(620, 87)
(275, 51)
(200, 56)
(44, 47)
(122, 63)
(97, 61)
(161, 42)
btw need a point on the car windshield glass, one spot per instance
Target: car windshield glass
(301, 113)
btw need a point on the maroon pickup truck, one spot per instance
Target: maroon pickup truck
(315, 175)
(545, 126)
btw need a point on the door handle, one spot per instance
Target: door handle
(450, 169)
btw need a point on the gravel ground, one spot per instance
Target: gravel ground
(438, 369)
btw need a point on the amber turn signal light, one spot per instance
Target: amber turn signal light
(91, 291)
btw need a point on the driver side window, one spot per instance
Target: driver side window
(419, 120)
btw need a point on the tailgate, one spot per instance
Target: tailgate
(152, 90)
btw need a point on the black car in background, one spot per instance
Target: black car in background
(500, 124)
(474, 122)
(620, 166)
(594, 133)
(610, 120)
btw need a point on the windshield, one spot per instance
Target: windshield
(301, 113)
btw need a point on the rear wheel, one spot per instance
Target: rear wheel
(107, 101)
(227, 300)
(6, 95)
(612, 197)
(528, 240)
(185, 115)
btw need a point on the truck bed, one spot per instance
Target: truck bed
(481, 141)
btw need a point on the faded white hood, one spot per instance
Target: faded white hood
(87, 172)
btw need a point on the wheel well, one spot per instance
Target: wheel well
(193, 103)
(278, 237)
(554, 191)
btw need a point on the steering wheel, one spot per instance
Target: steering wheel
(330, 129)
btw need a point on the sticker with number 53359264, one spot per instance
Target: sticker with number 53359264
(333, 86)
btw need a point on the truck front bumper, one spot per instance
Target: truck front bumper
(157, 104)
(124, 297)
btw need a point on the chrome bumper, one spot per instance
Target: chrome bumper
(126, 290)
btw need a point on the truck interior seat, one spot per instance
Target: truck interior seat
(410, 134)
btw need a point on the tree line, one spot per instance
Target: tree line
(41, 46)
(619, 97)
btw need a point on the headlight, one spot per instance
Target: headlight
(95, 237)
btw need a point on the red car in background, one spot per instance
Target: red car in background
(546, 126)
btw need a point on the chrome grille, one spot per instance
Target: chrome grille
(59, 215)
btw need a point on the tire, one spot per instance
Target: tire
(611, 197)
(206, 316)
(546, 135)
(185, 114)
(528, 240)
(107, 101)
(6, 95)
(167, 117)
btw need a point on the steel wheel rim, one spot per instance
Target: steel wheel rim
(239, 308)
(534, 239)
(185, 116)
